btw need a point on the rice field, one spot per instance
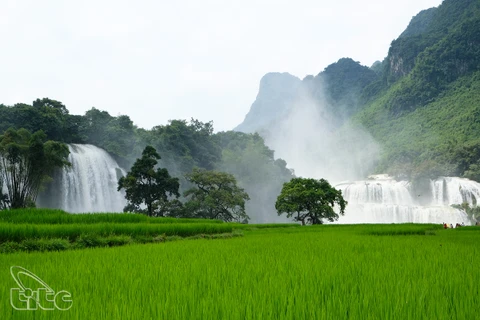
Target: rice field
(324, 272)
(19, 232)
(54, 216)
(56, 230)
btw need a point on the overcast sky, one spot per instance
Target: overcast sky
(160, 60)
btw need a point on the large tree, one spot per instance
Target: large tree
(216, 196)
(27, 161)
(146, 185)
(310, 200)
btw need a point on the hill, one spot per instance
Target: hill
(425, 113)
(421, 103)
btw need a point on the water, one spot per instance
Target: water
(381, 199)
(453, 190)
(90, 185)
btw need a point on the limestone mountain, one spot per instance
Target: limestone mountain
(338, 87)
(275, 96)
(421, 103)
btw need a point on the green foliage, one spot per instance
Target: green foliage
(310, 200)
(438, 139)
(345, 80)
(145, 185)
(424, 111)
(341, 84)
(425, 30)
(452, 57)
(27, 161)
(35, 245)
(420, 23)
(185, 146)
(45, 114)
(114, 134)
(215, 196)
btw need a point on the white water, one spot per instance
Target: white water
(90, 185)
(453, 190)
(384, 200)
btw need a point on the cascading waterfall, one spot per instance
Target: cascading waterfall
(384, 200)
(90, 185)
(453, 190)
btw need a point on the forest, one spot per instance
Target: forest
(181, 145)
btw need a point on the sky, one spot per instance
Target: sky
(160, 60)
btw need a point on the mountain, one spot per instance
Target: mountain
(275, 96)
(339, 85)
(421, 104)
(299, 120)
(425, 113)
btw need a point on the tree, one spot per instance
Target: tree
(188, 145)
(144, 184)
(53, 118)
(310, 200)
(216, 196)
(50, 103)
(253, 164)
(27, 162)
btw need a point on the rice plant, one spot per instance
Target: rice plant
(19, 232)
(55, 216)
(325, 272)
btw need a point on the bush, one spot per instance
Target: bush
(90, 241)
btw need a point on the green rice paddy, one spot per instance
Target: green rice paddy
(321, 272)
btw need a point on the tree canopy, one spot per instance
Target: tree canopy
(257, 171)
(145, 185)
(27, 161)
(215, 196)
(310, 200)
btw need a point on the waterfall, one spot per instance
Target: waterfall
(90, 185)
(385, 191)
(381, 199)
(453, 190)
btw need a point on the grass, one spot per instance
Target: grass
(321, 272)
(54, 216)
(94, 241)
(19, 232)
(265, 226)
(55, 230)
(403, 229)
(405, 271)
